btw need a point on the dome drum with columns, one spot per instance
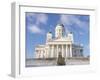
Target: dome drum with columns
(62, 43)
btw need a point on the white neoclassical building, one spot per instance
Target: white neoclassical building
(61, 43)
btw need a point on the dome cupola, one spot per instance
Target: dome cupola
(59, 30)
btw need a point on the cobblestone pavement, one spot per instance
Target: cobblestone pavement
(38, 63)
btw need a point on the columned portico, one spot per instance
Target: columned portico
(66, 50)
(52, 51)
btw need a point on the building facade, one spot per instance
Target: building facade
(62, 44)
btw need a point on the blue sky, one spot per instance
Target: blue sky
(38, 24)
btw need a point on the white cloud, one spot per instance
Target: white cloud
(41, 18)
(66, 30)
(72, 19)
(36, 29)
(69, 20)
(65, 19)
(36, 20)
(81, 33)
(38, 17)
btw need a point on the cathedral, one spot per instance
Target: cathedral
(61, 43)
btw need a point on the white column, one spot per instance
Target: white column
(49, 52)
(70, 50)
(40, 54)
(57, 51)
(54, 55)
(45, 53)
(62, 50)
(66, 51)
(52, 51)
